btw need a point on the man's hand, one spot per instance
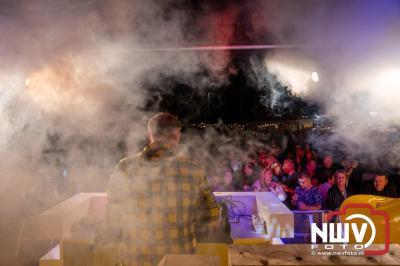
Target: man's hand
(295, 197)
(294, 200)
(302, 207)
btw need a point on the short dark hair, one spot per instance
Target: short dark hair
(340, 171)
(381, 174)
(163, 124)
(304, 175)
(251, 165)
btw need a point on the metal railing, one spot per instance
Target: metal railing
(303, 221)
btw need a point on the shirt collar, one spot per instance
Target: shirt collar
(158, 150)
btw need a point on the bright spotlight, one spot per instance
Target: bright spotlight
(314, 76)
(28, 82)
(386, 87)
(391, 78)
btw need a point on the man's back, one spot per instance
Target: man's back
(154, 201)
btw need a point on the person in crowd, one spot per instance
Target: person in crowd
(271, 159)
(291, 176)
(252, 158)
(325, 187)
(300, 159)
(237, 183)
(265, 184)
(250, 175)
(310, 154)
(226, 184)
(236, 170)
(338, 192)
(277, 172)
(265, 160)
(311, 167)
(328, 169)
(262, 159)
(275, 150)
(353, 173)
(155, 199)
(381, 187)
(234, 163)
(306, 197)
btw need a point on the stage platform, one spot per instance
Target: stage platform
(249, 247)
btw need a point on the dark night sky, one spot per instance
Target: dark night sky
(238, 101)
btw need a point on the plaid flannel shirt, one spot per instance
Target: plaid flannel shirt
(154, 201)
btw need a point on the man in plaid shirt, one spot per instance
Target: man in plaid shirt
(156, 198)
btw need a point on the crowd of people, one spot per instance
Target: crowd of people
(303, 179)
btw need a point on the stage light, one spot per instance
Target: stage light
(28, 82)
(388, 83)
(385, 89)
(390, 78)
(314, 76)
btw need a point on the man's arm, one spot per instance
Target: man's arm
(208, 206)
(295, 198)
(304, 207)
(117, 197)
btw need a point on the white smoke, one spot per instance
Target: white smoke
(353, 48)
(72, 96)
